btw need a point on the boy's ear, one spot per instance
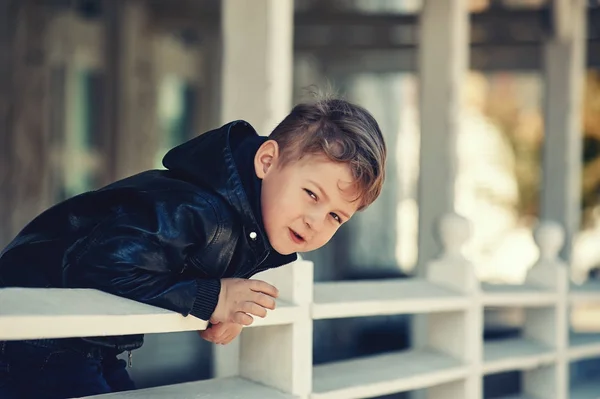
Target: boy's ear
(266, 157)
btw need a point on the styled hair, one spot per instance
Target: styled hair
(344, 133)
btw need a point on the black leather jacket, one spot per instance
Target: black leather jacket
(162, 237)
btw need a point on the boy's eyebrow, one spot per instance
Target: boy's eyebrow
(326, 197)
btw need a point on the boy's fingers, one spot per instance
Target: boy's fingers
(212, 335)
(261, 286)
(216, 334)
(206, 335)
(264, 300)
(224, 334)
(254, 309)
(242, 318)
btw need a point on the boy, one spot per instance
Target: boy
(229, 205)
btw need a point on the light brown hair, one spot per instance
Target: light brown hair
(343, 132)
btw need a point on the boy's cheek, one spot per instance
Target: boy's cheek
(323, 241)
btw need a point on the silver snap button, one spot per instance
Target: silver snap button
(253, 235)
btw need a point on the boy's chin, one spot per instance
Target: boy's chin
(283, 251)
(290, 251)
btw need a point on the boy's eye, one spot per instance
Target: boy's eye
(336, 217)
(311, 194)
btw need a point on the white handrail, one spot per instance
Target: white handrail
(276, 352)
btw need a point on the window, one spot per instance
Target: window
(176, 103)
(75, 130)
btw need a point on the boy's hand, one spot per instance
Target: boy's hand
(240, 299)
(221, 333)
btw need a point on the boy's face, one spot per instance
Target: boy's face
(305, 202)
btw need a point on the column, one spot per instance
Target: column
(24, 101)
(6, 44)
(133, 87)
(443, 64)
(564, 68)
(257, 62)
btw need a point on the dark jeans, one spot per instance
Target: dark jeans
(57, 369)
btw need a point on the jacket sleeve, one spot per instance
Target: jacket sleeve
(141, 256)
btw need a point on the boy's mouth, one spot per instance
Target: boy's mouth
(297, 238)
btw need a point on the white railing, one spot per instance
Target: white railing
(275, 354)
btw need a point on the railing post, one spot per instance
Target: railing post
(281, 356)
(458, 334)
(549, 325)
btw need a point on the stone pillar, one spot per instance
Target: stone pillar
(257, 57)
(257, 61)
(564, 69)
(444, 39)
(132, 87)
(24, 113)
(7, 22)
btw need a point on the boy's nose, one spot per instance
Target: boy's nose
(314, 222)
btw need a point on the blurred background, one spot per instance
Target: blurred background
(496, 115)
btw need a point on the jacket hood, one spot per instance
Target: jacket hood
(208, 161)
